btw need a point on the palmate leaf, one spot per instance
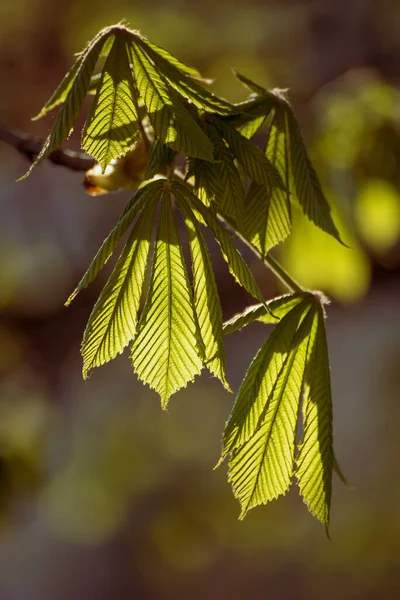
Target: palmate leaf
(171, 121)
(260, 435)
(315, 459)
(277, 308)
(206, 298)
(237, 266)
(112, 126)
(167, 352)
(163, 54)
(131, 210)
(73, 92)
(112, 323)
(208, 185)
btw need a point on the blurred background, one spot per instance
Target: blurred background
(102, 494)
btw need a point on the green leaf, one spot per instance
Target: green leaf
(77, 90)
(237, 266)
(249, 84)
(231, 202)
(277, 308)
(254, 162)
(260, 435)
(160, 157)
(206, 298)
(131, 210)
(112, 126)
(315, 459)
(171, 121)
(306, 183)
(250, 127)
(207, 185)
(167, 351)
(112, 323)
(185, 85)
(60, 94)
(163, 54)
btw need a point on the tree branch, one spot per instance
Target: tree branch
(30, 147)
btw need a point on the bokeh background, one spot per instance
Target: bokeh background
(102, 494)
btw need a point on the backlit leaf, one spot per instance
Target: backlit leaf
(131, 210)
(315, 459)
(261, 432)
(166, 352)
(207, 303)
(112, 323)
(172, 123)
(112, 126)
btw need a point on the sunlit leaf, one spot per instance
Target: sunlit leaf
(314, 463)
(278, 308)
(172, 123)
(166, 352)
(76, 91)
(131, 210)
(260, 434)
(112, 126)
(207, 303)
(237, 266)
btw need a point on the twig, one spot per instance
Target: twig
(30, 147)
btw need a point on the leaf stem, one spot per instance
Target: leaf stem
(269, 261)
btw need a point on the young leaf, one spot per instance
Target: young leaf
(254, 162)
(171, 121)
(237, 267)
(249, 84)
(260, 380)
(77, 90)
(60, 94)
(206, 298)
(208, 185)
(163, 54)
(251, 127)
(231, 202)
(261, 468)
(315, 459)
(160, 157)
(112, 323)
(185, 85)
(112, 126)
(278, 308)
(131, 210)
(306, 183)
(166, 351)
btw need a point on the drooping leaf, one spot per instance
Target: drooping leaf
(76, 89)
(206, 298)
(315, 460)
(278, 308)
(167, 56)
(231, 202)
(250, 127)
(160, 157)
(186, 85)
(131, 210)
(167, 351)
(60, 94)
(207, 185)
(261, 433)
(237, 266)
(112, 323)
(306, 182)
(171, 121)
(254, 162)
(112, 126)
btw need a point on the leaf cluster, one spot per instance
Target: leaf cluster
(170, 315)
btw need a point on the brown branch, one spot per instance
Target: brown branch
(30, 147)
